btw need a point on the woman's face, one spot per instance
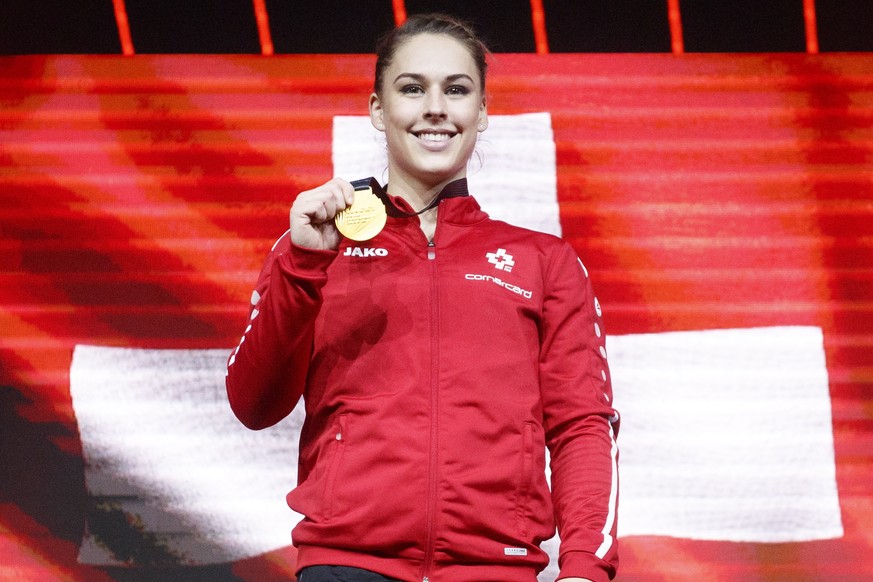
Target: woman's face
(431, 108)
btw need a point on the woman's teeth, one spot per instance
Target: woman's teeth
(434, 136)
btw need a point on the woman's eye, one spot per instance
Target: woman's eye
(457, 90)
(411, 89)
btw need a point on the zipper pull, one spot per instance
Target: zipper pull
(431, 254)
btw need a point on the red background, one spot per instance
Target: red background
(139, 196)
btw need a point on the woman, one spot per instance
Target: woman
(436, 360)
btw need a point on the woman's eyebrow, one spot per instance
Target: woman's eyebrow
(459, 76)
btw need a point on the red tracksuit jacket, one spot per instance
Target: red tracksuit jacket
(433, 376)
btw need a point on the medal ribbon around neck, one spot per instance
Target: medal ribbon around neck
(369, 212)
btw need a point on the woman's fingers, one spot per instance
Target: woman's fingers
(323, 203)
(312, 214)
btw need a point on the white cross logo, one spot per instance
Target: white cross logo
(501, 260)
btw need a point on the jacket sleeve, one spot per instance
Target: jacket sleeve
(580, 422)
(266, 373)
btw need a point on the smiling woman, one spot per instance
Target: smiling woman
(430, 110)
(422, 384)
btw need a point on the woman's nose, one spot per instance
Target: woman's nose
(435, 106)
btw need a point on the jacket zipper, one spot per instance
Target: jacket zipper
(434, 402)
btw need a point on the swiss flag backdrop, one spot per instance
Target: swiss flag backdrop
(705, 193)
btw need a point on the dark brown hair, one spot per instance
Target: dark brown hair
(434, 23)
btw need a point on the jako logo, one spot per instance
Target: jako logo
(501, 260)
(365, 252)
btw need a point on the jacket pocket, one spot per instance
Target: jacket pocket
(337, 448)
(525, 478)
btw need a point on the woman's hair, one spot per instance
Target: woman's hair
(435, 23)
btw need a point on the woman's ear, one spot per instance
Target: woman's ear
(376, 112)
(483, 116)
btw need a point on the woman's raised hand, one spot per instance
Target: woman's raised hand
(312, 214)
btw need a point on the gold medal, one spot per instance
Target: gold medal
(364, 219)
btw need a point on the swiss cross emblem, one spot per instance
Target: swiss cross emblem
(501, 260)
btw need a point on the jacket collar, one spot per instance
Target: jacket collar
(454, 203)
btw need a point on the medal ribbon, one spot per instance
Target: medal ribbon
(390, 207)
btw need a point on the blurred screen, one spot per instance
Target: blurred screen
(721, 203)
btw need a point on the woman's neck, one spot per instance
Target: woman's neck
(418, 194)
